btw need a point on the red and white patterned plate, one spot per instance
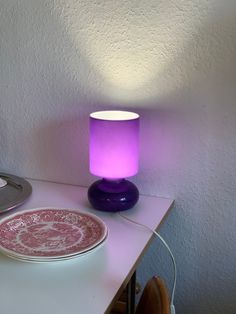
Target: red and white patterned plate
(50, 233)
(54, 259)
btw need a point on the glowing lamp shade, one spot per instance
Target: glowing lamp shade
(114, 152)
(114, 144)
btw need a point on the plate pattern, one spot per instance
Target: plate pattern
(50, 233)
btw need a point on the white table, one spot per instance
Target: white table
(89, 284)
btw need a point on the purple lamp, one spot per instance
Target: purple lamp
(114, 157)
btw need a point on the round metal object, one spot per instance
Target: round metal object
(14, 193)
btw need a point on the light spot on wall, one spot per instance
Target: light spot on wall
(131, 45)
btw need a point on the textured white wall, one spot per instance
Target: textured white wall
(171, 61)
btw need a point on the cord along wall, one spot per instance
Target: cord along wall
(173, 62)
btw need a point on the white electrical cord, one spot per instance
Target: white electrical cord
(172, 307)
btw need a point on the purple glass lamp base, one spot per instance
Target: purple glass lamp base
(113, 195)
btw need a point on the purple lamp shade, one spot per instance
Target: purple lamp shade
(114, 144)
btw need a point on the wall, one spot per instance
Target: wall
(171, 61)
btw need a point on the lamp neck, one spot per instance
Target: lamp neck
(116, 181)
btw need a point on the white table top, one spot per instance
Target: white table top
(87, 284)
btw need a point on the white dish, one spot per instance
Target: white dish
(50, 234)
(62, 259)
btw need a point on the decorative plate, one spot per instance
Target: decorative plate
(54, 259)
(48, 233)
